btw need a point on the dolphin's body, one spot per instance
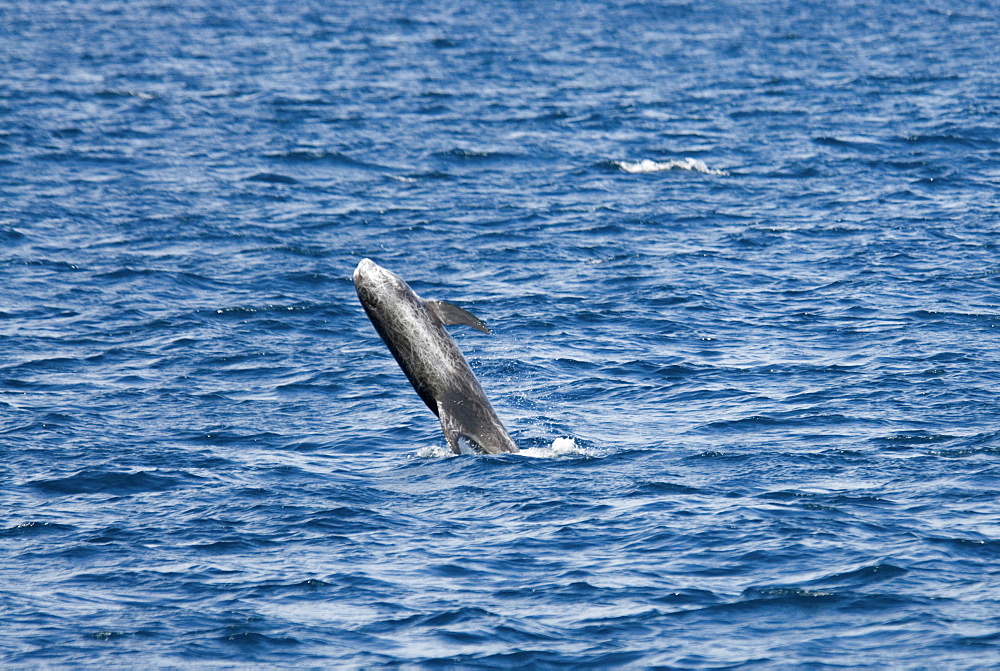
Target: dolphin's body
(413, 329)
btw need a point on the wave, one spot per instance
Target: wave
(271, 178)
(647, 165)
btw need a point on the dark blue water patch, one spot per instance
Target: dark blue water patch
(967, 547)
(11, 236)
(233, 546)
(435, 620)
(466, 159)
(853, 145)
(240, 637)
(305, 251)
(92, 481)
(981, 139)
(272, 178)
(907, 441)
(320, 156)
(33, 529)
(660, 488)
(346, 520)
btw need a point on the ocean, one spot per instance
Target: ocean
(741, 262)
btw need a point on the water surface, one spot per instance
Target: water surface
(740, 261)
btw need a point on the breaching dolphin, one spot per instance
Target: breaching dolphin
(413, 329)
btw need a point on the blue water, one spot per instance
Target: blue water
(742, 265)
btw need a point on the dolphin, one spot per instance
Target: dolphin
(413, 330)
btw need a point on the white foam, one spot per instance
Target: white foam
(564, 445)
(434, 452)
(647, 165)
(561, 447)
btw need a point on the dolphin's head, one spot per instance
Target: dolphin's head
(369, 273)
(375, 284)
(365, 270)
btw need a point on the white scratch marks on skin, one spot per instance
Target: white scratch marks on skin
(419, 337)
(430, 358)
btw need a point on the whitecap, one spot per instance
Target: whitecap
(560, 447)
(434, 452)
(647, 165)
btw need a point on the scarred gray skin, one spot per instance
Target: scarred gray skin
(413, 329)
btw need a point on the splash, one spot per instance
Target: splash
(560, 447)
(646, 165)
(434, 452)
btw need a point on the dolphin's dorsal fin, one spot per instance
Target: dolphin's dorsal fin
(450, 314)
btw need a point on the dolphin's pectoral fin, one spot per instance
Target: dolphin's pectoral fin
(450, 314)
(450, 427)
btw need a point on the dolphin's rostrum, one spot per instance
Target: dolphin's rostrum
(413, 329)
